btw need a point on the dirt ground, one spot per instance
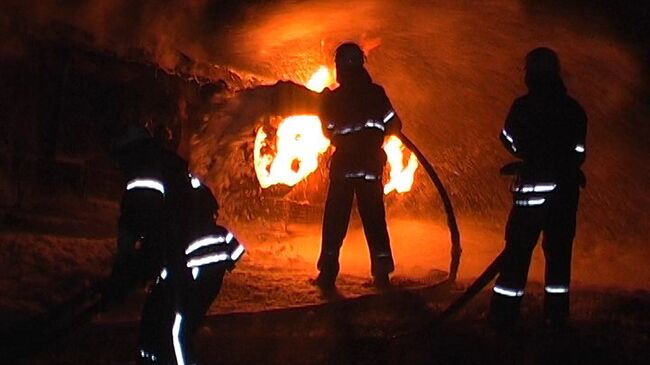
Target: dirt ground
(269, 313)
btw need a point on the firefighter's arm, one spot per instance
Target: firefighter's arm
(391, 120)
(581, 137)
(509, 136)
(327, 124)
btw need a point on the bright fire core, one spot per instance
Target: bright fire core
(299, 141)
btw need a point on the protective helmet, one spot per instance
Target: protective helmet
(349, 55)
(543, 60)
(131, 133)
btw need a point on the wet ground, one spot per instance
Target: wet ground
(269, 313)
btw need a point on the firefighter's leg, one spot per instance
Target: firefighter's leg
(335, 225)
(370, 197)
(522, 231)
(203, 291)
(559, 232)
(155, 324)
(122, 279)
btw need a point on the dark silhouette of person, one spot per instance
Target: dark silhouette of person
(166, 226)
(546, 130)
(356, 117)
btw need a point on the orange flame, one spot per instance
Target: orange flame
(299, 141)
(321, 79)
(401, 177)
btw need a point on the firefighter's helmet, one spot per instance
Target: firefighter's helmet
(543, 60)
(349, 55)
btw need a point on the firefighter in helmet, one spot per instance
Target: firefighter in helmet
(141, 212)
(546, 130)
(167, 234)
(356, 117)
(152, 231)
(210, 251)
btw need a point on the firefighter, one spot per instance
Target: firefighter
(356, 117)
(209, 251)
(141, 212)
(152, 233)
(546, 130)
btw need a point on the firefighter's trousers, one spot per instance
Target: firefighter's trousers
(167, 328)
(370, 201)
(556, 218)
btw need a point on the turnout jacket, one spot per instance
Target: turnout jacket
(356, 117)
(547, 132)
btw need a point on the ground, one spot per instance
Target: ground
(269, 313)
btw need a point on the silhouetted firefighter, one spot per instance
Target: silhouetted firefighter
(356, 117)
(546, 129)
(167, 221)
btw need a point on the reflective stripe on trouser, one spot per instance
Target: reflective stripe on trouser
(370, 200)
(167, 333)
(556, 219)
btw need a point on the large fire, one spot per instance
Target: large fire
(299, 141)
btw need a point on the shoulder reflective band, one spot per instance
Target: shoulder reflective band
(194, 181)
(145, 184)
(176, 330)
(208, 259)
(510, 139)
(163, 273)
(207, 241)
(236, 254)
(195, 272)
(530, 202)
(556, 289)
(537, 188)
(389, 116)
(508, 292)
(580, 148)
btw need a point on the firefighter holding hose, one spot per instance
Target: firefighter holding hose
(356, 118)
(546, 130)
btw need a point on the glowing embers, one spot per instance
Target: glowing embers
(299, 140)
(401, 176)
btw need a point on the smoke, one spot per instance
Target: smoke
(450, 69)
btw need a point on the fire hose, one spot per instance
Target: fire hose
(456, 249)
